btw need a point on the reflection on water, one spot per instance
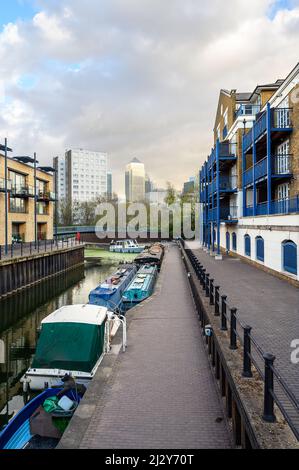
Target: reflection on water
(20, 318)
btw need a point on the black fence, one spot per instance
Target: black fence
(16, 250)
(276, 390)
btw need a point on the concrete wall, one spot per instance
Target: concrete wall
(274, 230)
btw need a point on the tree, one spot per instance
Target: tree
(171, 194)
(65, 212)
(86, 212)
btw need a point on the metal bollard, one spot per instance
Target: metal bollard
(207, 283)
(217, 301)
(233, 327)
(247, 352)
(211, 291)
(223, 313)
(268, 414)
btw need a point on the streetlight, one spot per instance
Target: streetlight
(6, 149)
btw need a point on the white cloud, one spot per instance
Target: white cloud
(137, 78)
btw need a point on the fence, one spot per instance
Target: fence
(276, 390)
(16, 250)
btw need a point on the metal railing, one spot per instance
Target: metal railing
(277, 207)
(21, 248)
(22, 190)
(2, 184)
(281, 164)
(276, 390)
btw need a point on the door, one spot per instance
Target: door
(282, 164)
(227, 241)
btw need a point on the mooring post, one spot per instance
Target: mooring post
(233, 328)
(217, 301)
(247, 352)
(268, 414)
(223, 313)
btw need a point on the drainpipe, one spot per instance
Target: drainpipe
(6, 200)
(269, 170)
(218, 195)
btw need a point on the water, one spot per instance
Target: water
(20, 318)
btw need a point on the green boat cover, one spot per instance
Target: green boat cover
(69, 346)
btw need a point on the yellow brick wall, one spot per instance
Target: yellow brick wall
(228, 102)
(27, 229)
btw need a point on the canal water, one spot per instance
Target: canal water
(20, 318)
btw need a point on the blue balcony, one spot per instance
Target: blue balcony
(261, 125)
(229, 214)
(248, 177)
(247, 140)
(261, 169)
(277, 207)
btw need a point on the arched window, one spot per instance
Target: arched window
(289, 256)
(227, 241)
(247, 245)
(260, 252)
(234, 239)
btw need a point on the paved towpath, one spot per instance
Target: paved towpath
(161, 393)
(266, 303)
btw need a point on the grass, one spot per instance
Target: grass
(106, 255)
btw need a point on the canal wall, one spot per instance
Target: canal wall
(26, 271)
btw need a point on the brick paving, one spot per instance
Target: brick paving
(266, 303)
(162, 393)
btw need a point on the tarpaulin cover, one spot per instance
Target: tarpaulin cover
(69, 346)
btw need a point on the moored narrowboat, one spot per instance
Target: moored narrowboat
(142, 285)
(126, 246)
(152, 255)
(73, 340)
(109, 293)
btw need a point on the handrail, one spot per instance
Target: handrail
(232, 328)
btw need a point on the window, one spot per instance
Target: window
(260, 255)
(234, 240)
(17, 206)
(247, 245)
(289, 256)
(227, 241)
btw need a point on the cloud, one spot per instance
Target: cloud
(137, 78)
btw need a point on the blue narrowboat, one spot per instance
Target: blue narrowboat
(142, 285)
(109, 293)
(19, 432)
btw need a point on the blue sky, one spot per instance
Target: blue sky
(12, 10)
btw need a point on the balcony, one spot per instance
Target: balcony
(282, 165)
(229, 214)
(45, 196)
(281, 119)
(2, 185)
(277, 207)
(261, 169)
(260, 125)
(22, 191)
(13, 209)
(248, 177)
(248, 110)
(247, 140)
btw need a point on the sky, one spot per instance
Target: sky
(134, 78)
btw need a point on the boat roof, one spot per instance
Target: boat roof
(83, 313)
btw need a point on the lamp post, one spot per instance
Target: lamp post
(6, 150)
(35, 201)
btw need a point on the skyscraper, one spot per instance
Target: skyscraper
(86, 175)
(135, 181)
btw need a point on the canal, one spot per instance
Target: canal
(20, 318)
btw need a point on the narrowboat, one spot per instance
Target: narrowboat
(109, 293)
(33, 426)
(126, 246)
(73, 340)
(152, 255)
(141, 287)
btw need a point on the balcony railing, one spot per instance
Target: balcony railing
(248, 176)
(248, 110)
(281, 118)
(46, 195)
(282, 164)
(278, 206)
(2, 184)
(228, 183)
(23, 191)
(18, 210)
(229, 213)
(227, 149)
(247, 140)
(261, 168)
